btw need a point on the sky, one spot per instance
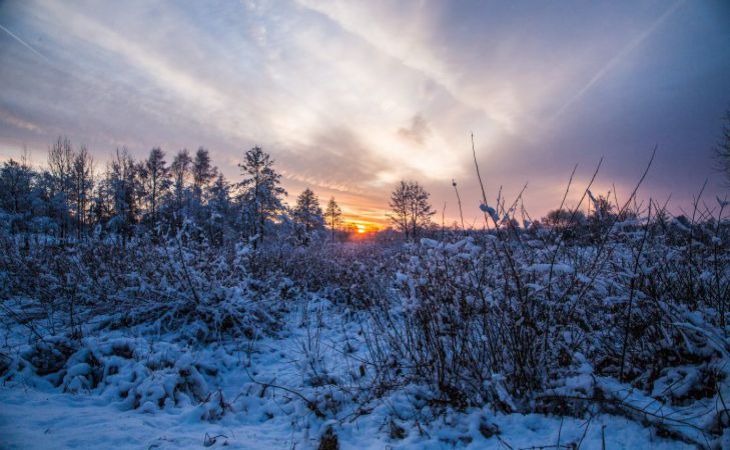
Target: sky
(350, 97)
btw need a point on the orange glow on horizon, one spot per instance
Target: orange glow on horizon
(360, 227)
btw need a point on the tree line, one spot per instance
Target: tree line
(71, 200)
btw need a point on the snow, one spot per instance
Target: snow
(489, 210)
(83, 422)
(546, 268)
(36, 415)
(464, 340)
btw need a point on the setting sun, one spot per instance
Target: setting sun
(360, 227)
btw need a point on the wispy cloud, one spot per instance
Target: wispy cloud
(620, 56)
(17, 122)
(23, 43)
(350, 97)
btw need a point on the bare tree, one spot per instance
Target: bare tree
(399, 206)
(60, 164)
(411, 211)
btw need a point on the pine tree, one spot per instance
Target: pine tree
(123, 186)
(203, 175)
(308, 214)
(203, 171)
(181, 171)
(219, 211)
(16, 194)
(333, 215)
(156, 178)
(260, 192)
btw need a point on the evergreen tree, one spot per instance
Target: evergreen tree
(307, 214)
(16, 194)
(123, 186)
(203, 174)
(219, 211)
(156, 178)
(203, 171)
(333, 216)
(260, 194)
(180, 170)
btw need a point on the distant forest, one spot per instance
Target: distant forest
(70, 199)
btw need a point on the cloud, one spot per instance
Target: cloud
(351, 97)
(417, 132)
(615, 60)
(17, 122)
(22, 42)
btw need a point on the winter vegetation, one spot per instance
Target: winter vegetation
(199, 311)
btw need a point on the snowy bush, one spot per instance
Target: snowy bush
(202, 293)
(501, 319)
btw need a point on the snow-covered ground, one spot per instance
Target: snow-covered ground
(31, 419)
(315, 342)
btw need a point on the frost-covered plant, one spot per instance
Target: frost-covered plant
(181, 285)
(502, 317)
